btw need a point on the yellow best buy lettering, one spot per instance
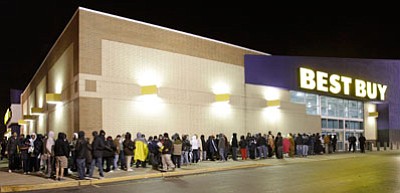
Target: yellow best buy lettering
(337, 84)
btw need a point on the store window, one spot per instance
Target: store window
(329, 106)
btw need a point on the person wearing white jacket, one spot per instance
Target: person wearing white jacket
(195, 148)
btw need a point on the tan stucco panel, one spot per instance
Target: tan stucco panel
(90, 114)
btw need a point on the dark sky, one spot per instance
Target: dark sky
(30, 28)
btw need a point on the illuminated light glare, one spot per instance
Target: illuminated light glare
(271, 93)
(221, 88)
(221, 109)
(299, 94)
(271, 114)
(40, 102)
(149, 104)
(148, 77)
(58, 88)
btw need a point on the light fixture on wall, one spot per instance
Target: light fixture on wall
(29, 117)
(150, 89)
(274, 103)
(37, 111)
(373, 114)
(53, 98)
(22, 122)
(222, 97)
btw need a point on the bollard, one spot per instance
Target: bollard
(378, 146)
(397, 144)
(384, 146)
(370, 146)
(391, 145)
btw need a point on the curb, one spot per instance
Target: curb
(77, 183)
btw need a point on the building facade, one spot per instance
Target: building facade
(116, 74)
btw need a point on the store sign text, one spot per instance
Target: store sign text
(336, 84)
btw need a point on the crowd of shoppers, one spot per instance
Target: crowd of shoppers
(55, 158)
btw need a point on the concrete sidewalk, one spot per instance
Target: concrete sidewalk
(16, 181)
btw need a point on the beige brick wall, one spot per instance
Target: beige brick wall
(185, 92)
(94, 27)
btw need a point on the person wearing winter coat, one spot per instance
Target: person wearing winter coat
(109, 153)
(12, 152)
(166, 153)
(61, 152)
(243, 147)
(279, 146)
(203, 148)
(97, 154)
(81, 153)
(141, 150)
(234, 145)
(49, 151)
(222, 147)
(117, 151)
(128, 147)
(177, 152)
(195, 148)
(186, 146)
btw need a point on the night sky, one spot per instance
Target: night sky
(30, 28)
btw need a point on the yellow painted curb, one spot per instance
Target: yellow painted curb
(30, 187)
(54, 185)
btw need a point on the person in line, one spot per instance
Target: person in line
(81, 153)
(362, 140)
(177, 151)
(166, 154)
(97, 155)
(334, 142)
(222, 147)
(141, 150)
(195, 148)
(279, 146)
(109, 153)
(12, 152)
(352, 141)
(234, 145)
(243, 147)
(61, 151)
(24, 148)
(185, 150)
(203, 148)
(117, 151)
(49, 151)
(212, 147)
(129, 146)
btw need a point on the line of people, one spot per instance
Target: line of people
(55, 158)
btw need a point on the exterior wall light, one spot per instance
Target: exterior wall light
(151, 89)
(53, 98)
(29, 118)
(22, 122)
(222, 97)
(273, 103)
(37, 111)
(373, 114)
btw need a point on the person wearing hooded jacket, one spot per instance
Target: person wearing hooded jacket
(97, 154)
(61, 152)
(49, 151)
(36, 149)
(141, 150)
(81, 152)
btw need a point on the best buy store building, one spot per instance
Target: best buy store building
(112, 73)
